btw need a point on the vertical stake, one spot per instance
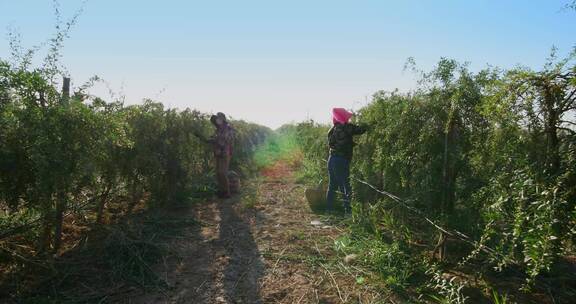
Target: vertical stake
(65, 90)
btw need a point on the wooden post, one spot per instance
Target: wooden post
(448, 177)
(58, 219)
(102, 203)
(65, 90)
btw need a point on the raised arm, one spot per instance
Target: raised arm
(203, 138)
(358, 129)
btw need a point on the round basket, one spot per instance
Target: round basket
(316, 197)
(234, 182)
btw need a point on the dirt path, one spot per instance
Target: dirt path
(258, 249)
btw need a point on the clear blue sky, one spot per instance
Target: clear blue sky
(273, 62)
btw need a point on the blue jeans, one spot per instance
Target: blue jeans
(339, 172)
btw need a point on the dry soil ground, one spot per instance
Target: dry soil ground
(259, 248)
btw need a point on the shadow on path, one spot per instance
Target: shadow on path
(242, 274)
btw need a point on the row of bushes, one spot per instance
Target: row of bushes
(489, 153)
(79, 154)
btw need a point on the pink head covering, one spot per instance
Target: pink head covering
(340, 115)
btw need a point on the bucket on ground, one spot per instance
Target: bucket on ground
(316, 196)
(234, 182)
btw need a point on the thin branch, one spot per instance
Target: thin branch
(571, 108)
(520, 94)
(568, 130)
(568, 100)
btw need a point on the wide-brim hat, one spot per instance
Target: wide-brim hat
(222, 115)
(218, 115)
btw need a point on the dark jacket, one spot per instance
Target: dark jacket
(341, 141)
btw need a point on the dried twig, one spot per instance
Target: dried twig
(335, 283)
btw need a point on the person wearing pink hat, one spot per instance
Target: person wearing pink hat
(341, 143)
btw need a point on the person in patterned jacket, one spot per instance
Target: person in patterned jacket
(341, 143)
(221, 143)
